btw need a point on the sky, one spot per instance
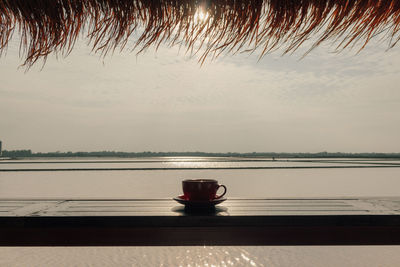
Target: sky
(166, 101)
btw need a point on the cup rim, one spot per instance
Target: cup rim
(202, 180)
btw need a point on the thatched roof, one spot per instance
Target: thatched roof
(52, 26)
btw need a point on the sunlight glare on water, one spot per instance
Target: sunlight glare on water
(214, 257)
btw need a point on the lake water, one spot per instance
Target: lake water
(161, 178)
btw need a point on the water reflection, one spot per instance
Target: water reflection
(214, 257)
(167, 184)
(283, 256)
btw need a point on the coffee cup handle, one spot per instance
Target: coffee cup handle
(221, 185)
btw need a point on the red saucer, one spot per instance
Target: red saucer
(199, 204)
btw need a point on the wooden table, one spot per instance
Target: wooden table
(159, 222)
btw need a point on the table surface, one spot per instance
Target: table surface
(169, 207)
(346, 221)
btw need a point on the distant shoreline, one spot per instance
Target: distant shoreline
(18, 154)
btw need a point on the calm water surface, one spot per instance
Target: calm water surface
(188, 162)
(290, 182)
(142, 181)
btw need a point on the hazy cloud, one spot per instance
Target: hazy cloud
(166, 101)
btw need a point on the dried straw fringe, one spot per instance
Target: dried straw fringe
(52, 26)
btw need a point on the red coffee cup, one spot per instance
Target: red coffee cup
(201, 189)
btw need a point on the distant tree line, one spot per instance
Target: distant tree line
(29, 153)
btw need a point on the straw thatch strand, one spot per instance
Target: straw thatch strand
(209, 27)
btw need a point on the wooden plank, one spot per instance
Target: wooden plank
(195, 236)
(25, 208)
(235, 222)
(230, 207)
(70, 235)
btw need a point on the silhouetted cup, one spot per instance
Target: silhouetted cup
(201, 189)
